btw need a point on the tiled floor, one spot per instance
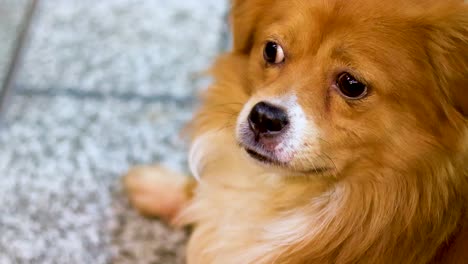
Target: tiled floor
(104, 85)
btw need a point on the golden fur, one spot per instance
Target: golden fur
(399, 185)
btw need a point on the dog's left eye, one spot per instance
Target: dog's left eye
(350, 88)
(273, 53)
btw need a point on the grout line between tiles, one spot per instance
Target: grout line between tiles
(99, 96)
(13, 68)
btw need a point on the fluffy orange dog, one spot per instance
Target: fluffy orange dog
(335, 132)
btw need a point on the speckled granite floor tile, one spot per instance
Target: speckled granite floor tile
(59, 187)
(123, 46)
(11, 15)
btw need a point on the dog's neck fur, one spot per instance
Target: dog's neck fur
(379, 221)
(390, 216)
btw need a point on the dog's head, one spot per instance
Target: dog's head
(336, 83)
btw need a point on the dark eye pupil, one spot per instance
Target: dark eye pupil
(270, 52)
(350, 87)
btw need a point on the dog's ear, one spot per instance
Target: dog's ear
(447, 31)
(245, 15)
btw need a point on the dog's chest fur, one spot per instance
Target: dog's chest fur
(244, 214)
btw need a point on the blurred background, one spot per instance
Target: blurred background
(89, 89)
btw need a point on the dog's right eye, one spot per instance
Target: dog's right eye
(273, 53)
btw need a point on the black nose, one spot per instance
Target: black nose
(267, 120)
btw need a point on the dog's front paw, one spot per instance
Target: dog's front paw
(156, 191)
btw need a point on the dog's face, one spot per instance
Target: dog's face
(335, 84)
